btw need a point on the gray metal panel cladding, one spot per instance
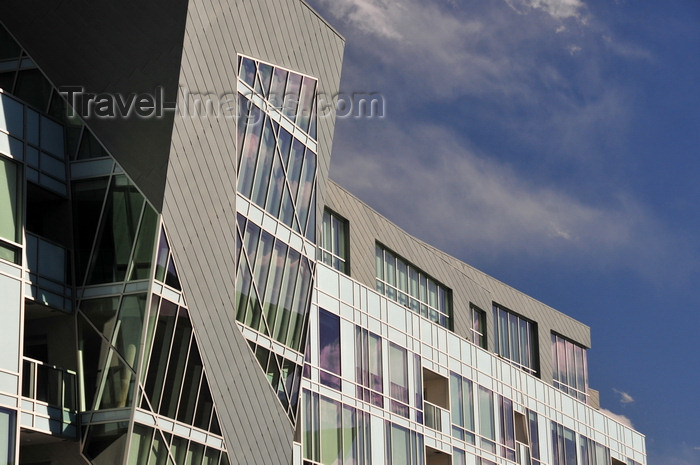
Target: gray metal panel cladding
(125, 47)
(468, 284)
(199, 207)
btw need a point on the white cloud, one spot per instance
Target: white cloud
(486, 66)
(620, 418)
(559, 9)
(573, 49)
(625, 398)
(435, 186)
(371, 16)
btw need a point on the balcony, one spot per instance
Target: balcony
(49, 398)
(436, 418)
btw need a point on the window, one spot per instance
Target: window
(333, 249)
(403, 447)
(459, 457)
(402, 282)
(505, 409)
(569, 367)
(10, 209)
(7, 433)
(368, 360)
(534, 437)
(276, 143)
(487, 419)
(334, 433)
(329, 348)
(516, 339)
(563, 445)
(477, 321)
(593, 453)
(398, 379)
(462, 403)
(273, 287)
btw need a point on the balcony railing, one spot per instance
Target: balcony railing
(437, 418)
(52, 385)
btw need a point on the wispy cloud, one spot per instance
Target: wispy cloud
(429, 181)
(376, 17)
(620, 418)
(559, 9)
(494, 72)
(625, 398)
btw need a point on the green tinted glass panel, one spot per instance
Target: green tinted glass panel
(91, 350)
(88, 198)
(10, 200)
(101, 313)
(117, 234)
(105, 443)
(143, 254)
(140, 444)
(129, 327)
(118, 385)
(9, 253)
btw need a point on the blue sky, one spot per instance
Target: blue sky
(554, 145)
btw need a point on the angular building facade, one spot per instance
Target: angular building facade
(180, 283)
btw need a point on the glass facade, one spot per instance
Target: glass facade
(516, 339)
(364, 376)
(496, 412)
(277, 170)
(276, 142)
(569, 367)
(402, 282)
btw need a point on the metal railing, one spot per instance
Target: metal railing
(50, 384)
(436, 418)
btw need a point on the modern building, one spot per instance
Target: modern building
(180, 283)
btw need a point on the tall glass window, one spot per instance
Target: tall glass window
(175, 383)
(329, 348)
(274, 285)
(569, 367)
(7, 436)
(403, 446)
(593, 453)
(398, 379)
(534, 436)
(505, 407)
(487, 419)
(462, 403)
(10, 209)
(333, 249)
(276, 141)
(402, 282)
(477, 320)
(368, 362)
(563, 445)
(334, 433)
(516, 340)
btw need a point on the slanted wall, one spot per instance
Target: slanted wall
(200, 209)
